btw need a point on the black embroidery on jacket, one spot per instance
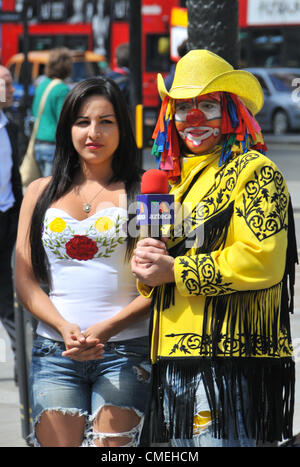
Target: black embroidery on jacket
(187, 342)
(257, 191)
(218, 197)
(201, 277)
(220, 194)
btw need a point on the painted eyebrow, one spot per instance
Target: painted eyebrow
(191, 101)
(208, 100)
(183, 101)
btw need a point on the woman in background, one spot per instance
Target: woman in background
(59, 67)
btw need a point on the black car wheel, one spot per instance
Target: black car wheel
(280, 122)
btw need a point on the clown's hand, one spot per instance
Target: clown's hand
(151, 263)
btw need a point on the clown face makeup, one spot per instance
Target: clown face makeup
(198, 122)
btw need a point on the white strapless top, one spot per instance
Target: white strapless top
(91, 281)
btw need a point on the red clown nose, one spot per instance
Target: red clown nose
(195, 117)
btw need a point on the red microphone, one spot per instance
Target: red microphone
(154, 181)
(155, 206)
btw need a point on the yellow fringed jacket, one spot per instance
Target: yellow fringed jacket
(235, 252)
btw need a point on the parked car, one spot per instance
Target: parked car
(281, 110)
(85, 64)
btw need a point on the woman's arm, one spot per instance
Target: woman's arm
(29, 292)
(137, 310)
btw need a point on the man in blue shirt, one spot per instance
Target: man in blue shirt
(10, 202)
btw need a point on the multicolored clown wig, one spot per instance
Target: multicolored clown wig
(199, 73)
(240, 129)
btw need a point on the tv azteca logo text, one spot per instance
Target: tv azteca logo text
(158, 211)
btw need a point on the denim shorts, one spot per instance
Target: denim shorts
(121, 378)
(203, 435)
(44, 155)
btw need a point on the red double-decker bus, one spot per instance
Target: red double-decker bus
(155, 42)
(156, 57)
(269, 32)
(49, 26)
(85, 25)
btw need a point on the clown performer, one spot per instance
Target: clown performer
(223, 369)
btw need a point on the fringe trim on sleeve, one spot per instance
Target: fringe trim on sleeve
(291, 260)
(263, 389)
(246, 324)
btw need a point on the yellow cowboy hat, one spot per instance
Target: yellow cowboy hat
(201, 71)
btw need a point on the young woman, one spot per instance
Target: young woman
(89, 372)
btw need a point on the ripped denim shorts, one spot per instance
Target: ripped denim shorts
(121, 378)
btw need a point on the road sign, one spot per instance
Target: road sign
(10, 17)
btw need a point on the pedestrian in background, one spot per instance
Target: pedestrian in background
(223, 284)
(182, 50)
(10, 202)
(80, 395)
(59, 67)
(120, 73)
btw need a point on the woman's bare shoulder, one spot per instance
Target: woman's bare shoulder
(32, 194)
(36, 187)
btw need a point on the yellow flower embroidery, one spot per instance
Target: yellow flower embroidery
(104, 223)
(57, 225)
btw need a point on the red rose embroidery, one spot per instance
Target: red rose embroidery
(81, 247)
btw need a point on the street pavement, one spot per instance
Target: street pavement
(10, 421)
(10, 410)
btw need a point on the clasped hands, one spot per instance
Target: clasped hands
(87, 345)
(151, 263)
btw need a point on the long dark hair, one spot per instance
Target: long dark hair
(126, 164)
